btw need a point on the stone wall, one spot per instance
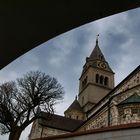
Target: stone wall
(46, 131)
(134, 81)
(111, 114)
(39, 131)
(98, 121)
(74, 114)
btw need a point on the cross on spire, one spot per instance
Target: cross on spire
(97, 39)
(97, 53)
(76, 97)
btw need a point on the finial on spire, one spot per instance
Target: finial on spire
(97, 39)
(76, 97)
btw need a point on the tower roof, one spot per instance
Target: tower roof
(97, 57)
(75, 106)
(97, 53)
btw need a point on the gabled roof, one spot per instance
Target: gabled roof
(135, 98)
(97, 53)
(75, 106)
(59, 122)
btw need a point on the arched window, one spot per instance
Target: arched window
(77, 117)
(97, 78)
(84, 82)
(101, 79)
(101, 57)
(137, 79)
(106, 81)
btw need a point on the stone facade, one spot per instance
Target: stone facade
(38, 131)
(74, 114)
(99, 103)
(75, 111)
(112, 113)
(35, 130)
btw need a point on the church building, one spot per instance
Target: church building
(98, 104)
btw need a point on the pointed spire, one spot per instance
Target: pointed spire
(96, 53)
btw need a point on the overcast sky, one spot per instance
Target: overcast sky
(64, 56)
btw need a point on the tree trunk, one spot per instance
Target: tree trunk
(15, 135)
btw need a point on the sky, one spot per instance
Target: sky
(64, 56)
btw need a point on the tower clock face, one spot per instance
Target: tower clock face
(102, 65)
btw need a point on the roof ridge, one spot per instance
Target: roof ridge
(60, 122)
(56, 115)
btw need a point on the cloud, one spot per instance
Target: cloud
(4, 137)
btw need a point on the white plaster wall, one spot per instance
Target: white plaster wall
(128, 134)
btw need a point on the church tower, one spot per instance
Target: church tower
(96, 80)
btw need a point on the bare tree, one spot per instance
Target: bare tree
(19, 101)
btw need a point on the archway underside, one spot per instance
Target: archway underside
(27, 24)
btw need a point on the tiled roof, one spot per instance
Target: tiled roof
(135, 98)
(96, 53)
(59, 122)
(75, 106)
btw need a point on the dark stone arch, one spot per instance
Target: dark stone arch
(101, 79)
(97, 78)
(106, 81)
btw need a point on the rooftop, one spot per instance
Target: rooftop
(59, 122)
